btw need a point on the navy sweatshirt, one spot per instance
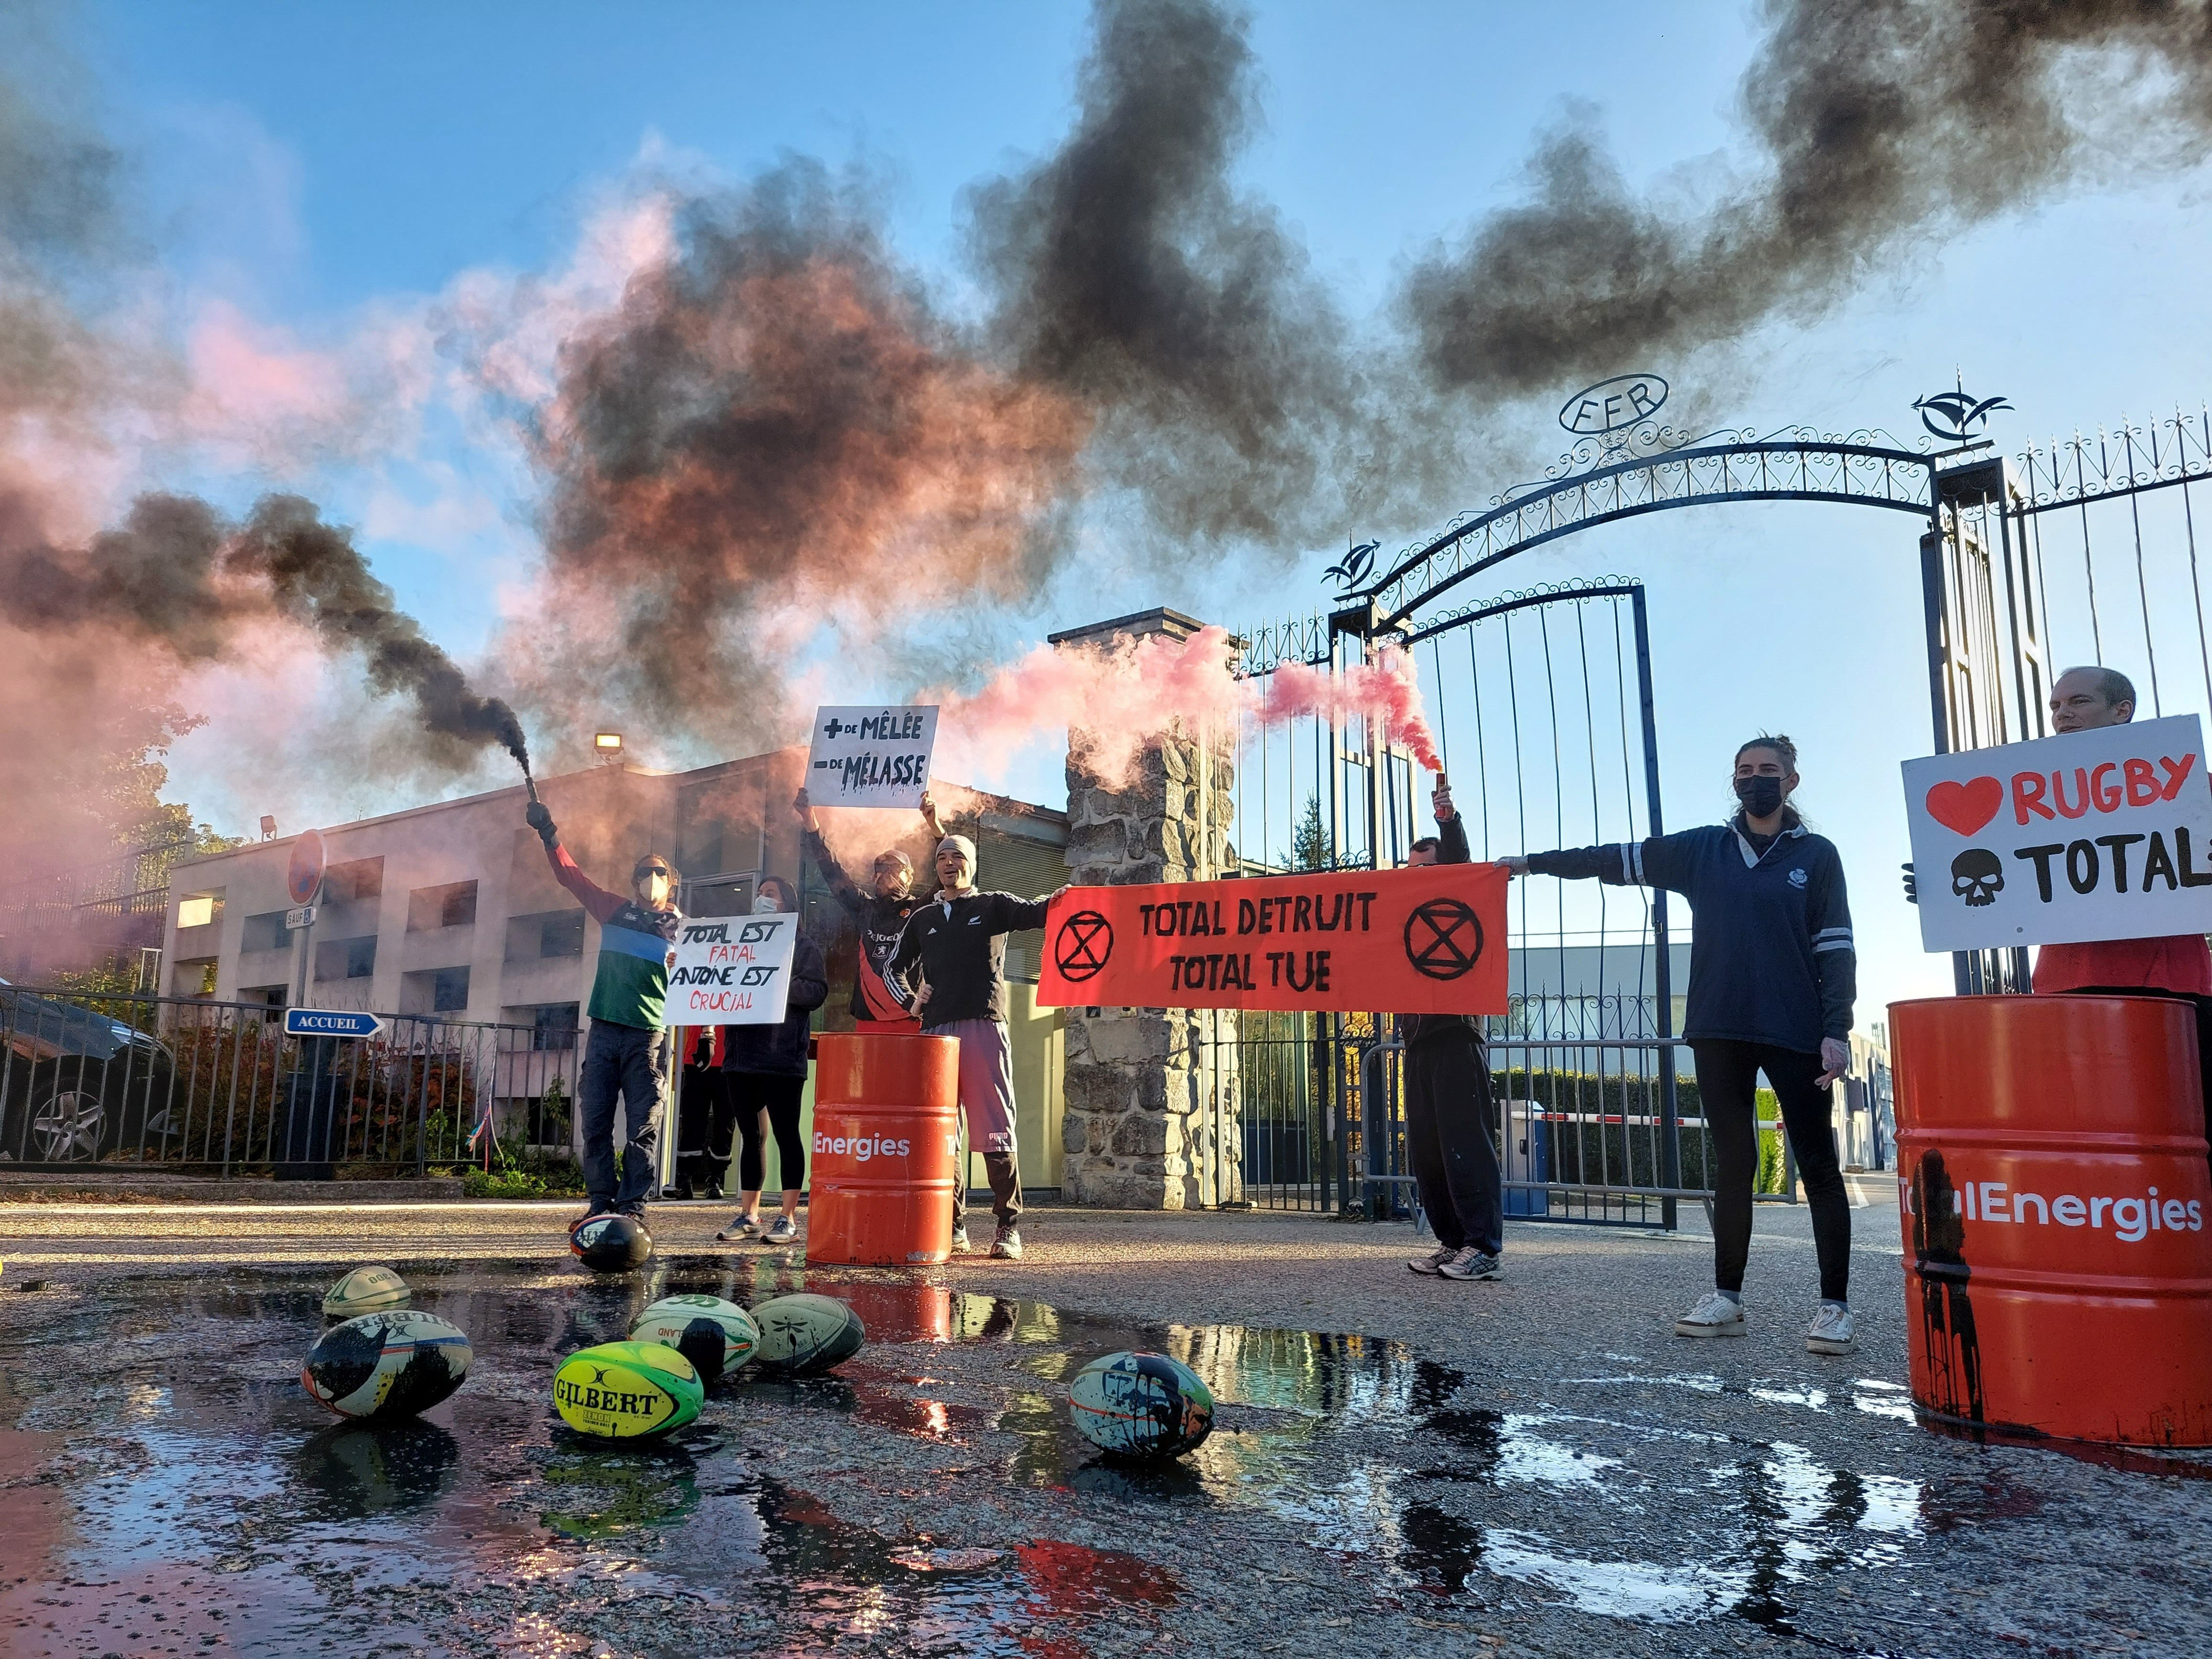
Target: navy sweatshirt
(960, 946)
(1771, 953)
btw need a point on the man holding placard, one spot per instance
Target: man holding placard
(880, 1004)
(2094, 836)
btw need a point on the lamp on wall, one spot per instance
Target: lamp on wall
(268, 827)
(608, 744)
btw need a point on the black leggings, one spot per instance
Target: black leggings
(1728, 1077)
(744, 1095)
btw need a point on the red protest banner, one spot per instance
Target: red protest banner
(1427, 940)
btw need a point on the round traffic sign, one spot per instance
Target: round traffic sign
(305, 873)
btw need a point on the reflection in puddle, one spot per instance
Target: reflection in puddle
(803, 1501)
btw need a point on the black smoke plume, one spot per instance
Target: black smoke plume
(1882, 125)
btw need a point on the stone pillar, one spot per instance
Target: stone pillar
(1152, 1119)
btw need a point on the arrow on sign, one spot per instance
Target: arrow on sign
(330, 1022)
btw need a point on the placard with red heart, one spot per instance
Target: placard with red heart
(1965, 807)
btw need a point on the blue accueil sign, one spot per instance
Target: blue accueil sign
(330, 1022)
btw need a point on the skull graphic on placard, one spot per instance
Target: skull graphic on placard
(1977, 876)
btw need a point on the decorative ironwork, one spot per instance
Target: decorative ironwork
(1575, 587)
(2125, 461)
(1623, 401)
(1357, 563)
(1294, 638)
(1592, 484)
(1958, 417)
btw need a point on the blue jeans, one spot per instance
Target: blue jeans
(628, 1061)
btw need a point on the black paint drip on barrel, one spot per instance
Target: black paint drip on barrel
(1946, 1313)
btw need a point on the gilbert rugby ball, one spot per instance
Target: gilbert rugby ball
(366, 1289)
(626, 1390)
(386, 1364)
(1142, 1405)
(714, 1335)
(611, 1243)
(801, 1335)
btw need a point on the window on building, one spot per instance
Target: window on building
(199, 909)
(554, 1025)
(563, 935)
(453, 905)
(353, 881)
(265, 931)
(195, 979)
(449, 987)
(345, 958)
(272, 996)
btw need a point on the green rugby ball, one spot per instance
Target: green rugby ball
(386, 1364)
(1142, 1405)
(627, 1390)
(714, 1335)
(802, 1335)
(366, 1289)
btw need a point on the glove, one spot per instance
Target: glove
(1911, 886)
(541, 819)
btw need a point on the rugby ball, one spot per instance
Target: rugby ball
(627, 1390)
(803, 1334)
(386, 1364)
(366, 1289)
(1142, 1405)
(714, 1335)
(608, 1243)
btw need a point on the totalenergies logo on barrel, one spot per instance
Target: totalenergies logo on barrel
(2132, 1219)
(862, 1147)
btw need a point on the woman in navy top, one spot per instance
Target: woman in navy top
(1773, 977)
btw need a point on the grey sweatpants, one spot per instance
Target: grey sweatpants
(987, 1107)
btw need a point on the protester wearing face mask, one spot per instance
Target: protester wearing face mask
(1773, 977)
(763, 1083)
(627, 1056)
(881, 1004)
(956, 945)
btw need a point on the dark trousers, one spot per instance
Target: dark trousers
(1448, 1115)
(698, 1106)
(2204, 1007)
(1728, 1080)
(745, 1096)
(631, 1064)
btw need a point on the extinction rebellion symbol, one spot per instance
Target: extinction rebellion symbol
(1079, 949)
(1444, 939)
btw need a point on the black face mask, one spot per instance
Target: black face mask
(1761, 797)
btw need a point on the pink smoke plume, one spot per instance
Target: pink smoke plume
(1115, 697)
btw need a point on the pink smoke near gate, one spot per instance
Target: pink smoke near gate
(1113, 699)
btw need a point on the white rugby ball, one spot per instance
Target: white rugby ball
(366, 1289)
(800, 1335)
(714, 1335)
(386, 1364)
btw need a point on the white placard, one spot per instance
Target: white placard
(871, 757)
(2087, 836)
(731, 970)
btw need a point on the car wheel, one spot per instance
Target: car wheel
(67, 1126)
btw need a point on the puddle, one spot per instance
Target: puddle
(184, 1495)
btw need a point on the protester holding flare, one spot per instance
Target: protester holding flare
(880, 1004)
(1773, 977)
(956, 943)
(1448, 1108)
(627, 1056)
(764, 1083)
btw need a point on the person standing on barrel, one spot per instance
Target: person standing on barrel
(956, 943)
(880, 1003)
(764, 1083)
(1773, 977)
(2177, 965)
(627, 1056)
(1448, 1110)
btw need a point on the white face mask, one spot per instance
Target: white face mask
(765, 904)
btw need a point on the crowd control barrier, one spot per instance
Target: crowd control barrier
(2054, 1201)
(886, 1130)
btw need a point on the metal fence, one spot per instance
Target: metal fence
(203, 1087)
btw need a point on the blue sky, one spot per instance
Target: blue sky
(311, 164)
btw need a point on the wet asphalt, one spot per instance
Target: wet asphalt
(1400, 1466)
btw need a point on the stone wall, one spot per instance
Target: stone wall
(1152, 1093)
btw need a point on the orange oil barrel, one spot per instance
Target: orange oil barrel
(886, 1125)
(2057, 1208)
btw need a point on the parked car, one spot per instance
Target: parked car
(77, 1084)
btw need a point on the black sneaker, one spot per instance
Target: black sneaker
(1469, 1263)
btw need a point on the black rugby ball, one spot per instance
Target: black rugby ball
(611, 1243)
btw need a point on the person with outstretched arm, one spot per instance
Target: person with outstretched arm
(955, 944)
(1448, 1110)
(764, 1080)
(880, 1004)
(1773, 977)
(627, 1056)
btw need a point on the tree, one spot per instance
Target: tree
(1309, 848)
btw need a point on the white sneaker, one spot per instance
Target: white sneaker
(1832, 1331)
(1008, 1246)
(782, 1231)
(1431, 1263)
(1714, 1316)
(960, 1238)
(743, 1228)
